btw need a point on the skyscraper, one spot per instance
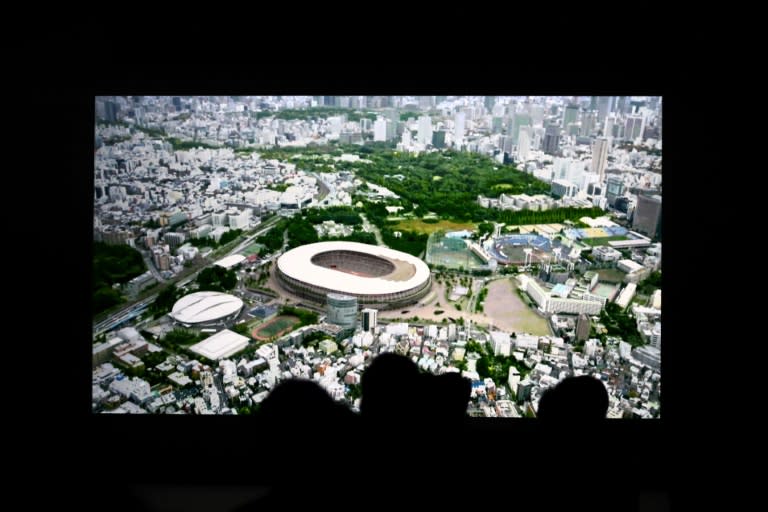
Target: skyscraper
(599, 156)
(647, 216)
(459, 128)
(425, 130)
(603, 107)
(523, 145)
(438, 138)
(520, 119)
(634, 127)
(571, 115)
(588, 123)
(110, 111)
(614, 188)
(551, 140)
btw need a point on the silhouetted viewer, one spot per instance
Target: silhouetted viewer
(391, 390)
(448, 396)
(297, 419)
(582, 398)
(302, 402)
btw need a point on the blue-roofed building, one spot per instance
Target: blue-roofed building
(560, 290)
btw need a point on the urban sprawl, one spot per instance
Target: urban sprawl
(243, 240)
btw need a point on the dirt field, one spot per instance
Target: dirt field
(509, 312)
(503, 308)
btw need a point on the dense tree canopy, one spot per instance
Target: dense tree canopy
(113, 264)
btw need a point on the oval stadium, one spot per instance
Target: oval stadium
(377, 276)
(202, 308)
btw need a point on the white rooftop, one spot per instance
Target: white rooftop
(297, 264)
(201, 307)
(230, 261)
(220, 345)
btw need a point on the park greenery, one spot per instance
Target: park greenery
(180, 145)
(165, 300)
(446, 183)
(291, 114)
(495, 367)
(113, 264)
(216, 279)
(618, 322)
(651, 283)
(305, 316)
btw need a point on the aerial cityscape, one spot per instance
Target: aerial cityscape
(240, 241)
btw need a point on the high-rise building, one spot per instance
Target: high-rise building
(520, 119)
(551, 140)
(599, 156)
(438, 139)
(490, 101)
(459, 121)
(588, 120)
(369, 317)
(110, 111)
(582, 327)
(623, 105)
(425, 130)
(614, 188)
(380, 130)
(634, 126)
(570, 115)
(647, 216)
(341, 310)
(523, 145)
(603, 108)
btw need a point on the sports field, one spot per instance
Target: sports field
(275, 327)
(611, 275)
(602, 240)
(252, 249)
(451, 253)
(605, 290)
(508, 311)
(419, 226)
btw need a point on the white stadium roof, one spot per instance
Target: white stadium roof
(297, 264)
(201, 307)
(220, 345)
(230, 261)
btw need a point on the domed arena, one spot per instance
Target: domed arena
(202, 308)
(379, 277)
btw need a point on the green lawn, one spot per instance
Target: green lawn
(419, 226)
(603, 240)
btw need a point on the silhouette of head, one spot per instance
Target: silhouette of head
(295, 401)
(582, 398)
(450, 394)
(391, 387)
